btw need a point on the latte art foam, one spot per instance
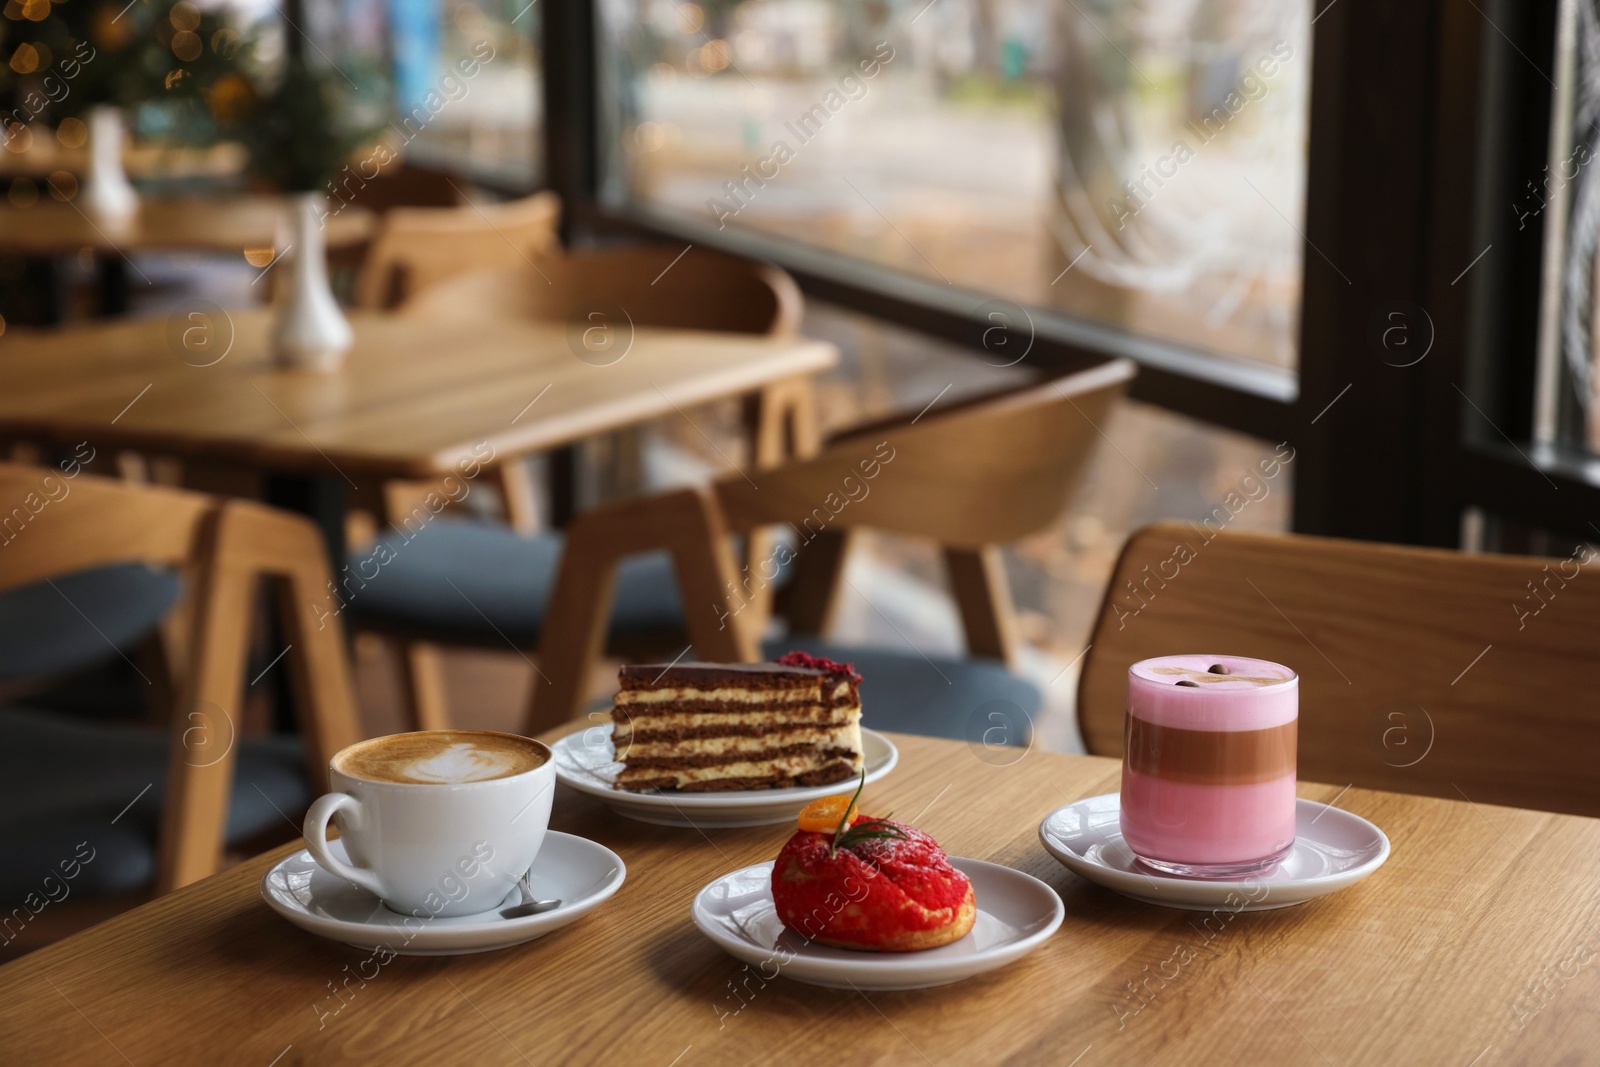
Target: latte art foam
(440, 757)
(461, 762)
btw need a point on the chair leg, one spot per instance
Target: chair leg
(978, 582)
(163, 669)
(810, 602)
(205, 732)
(401, 498)
(515, 482)
(805, 435)
(424, 685)
(576, 620)
(780, 424)
(689, 524)
(131, 467)
(427, 704)
(320, 675)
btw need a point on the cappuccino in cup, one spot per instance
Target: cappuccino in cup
(441, 757)
(436, 822)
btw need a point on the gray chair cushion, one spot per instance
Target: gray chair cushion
(977, 701)
(482, 583)
(71, 789)
(84, 619)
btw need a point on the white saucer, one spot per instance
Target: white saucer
(583, 761)
(1016, 912)
(1332, 849)
(578, 872)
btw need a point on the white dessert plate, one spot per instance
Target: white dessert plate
(578, 872)
(583, 761)
(1332, 849)
(1016, 912)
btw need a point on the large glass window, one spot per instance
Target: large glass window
(491, 125)
(1564, 199)
(458, 79)
(1142, 165)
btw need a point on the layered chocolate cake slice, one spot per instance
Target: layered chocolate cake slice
(720, 726)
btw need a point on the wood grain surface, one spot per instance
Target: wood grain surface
(187, 224)
(1475, 944)
(415, 397)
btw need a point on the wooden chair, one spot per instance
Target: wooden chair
(655, 285)
(227, 547)
(416, 247)
(1421, 670)
(401, 184)
(466, 565)
(972, 477)
(662, 286)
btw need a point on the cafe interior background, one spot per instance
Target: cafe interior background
(1354, 248)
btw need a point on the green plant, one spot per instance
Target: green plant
(302, 130)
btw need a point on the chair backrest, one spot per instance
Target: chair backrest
(61, 523)
(1421, 670)
(417, 247)
(655, 285)
(985, 473)
(990, 471)
(403, 184)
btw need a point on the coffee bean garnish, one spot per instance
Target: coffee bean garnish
(1191, 685)
(1216, 668)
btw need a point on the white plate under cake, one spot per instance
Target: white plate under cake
(716, 727)
(583, 762)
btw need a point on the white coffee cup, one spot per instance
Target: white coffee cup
(436, 823)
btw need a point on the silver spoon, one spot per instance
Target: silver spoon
(529, 905)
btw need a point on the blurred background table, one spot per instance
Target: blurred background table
(233, 223)
(414, 398)
(1429, 960)
(143, 162)
(250, 225)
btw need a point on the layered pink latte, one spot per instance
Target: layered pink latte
(1208, 769)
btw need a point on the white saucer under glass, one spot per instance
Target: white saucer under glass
(584, 762)
(1016, 913)
(1332, 849)
(578, 872)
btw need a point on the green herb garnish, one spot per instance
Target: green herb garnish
(865, 830)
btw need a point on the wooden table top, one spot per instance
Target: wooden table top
(143, 162)
(414, 397)
(224, 224)
(1474, 944)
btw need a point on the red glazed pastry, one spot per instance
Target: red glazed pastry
(869, 884)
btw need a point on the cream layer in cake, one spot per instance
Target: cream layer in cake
(637, 752)
(630, 725)
(724, 695)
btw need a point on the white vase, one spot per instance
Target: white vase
(107, 193)
(309, 332)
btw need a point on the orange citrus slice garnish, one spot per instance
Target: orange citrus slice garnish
(822, 816)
